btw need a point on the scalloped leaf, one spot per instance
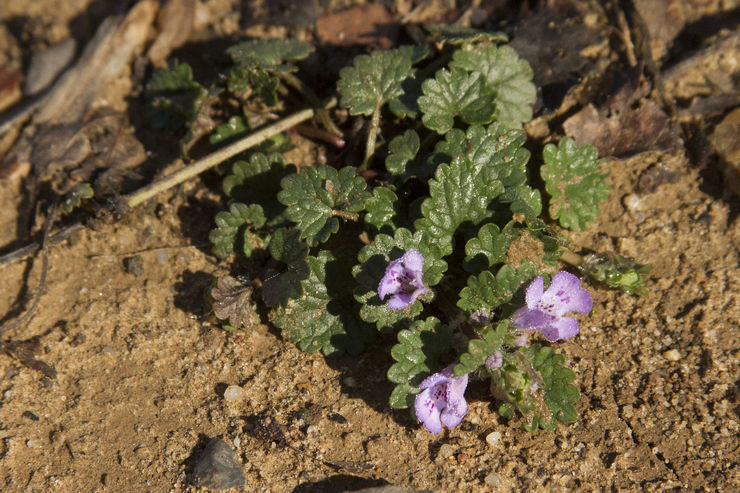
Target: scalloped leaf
(454, 94)
(374, 259)
(231, 229)
(373, 80)
(383, 211)
(490, 246)
(455, 34)
(480, 349)
(459, 193)
(249, 82)
(316, 196)
(486, 291)
(495, 147)
(573, 180)
(227, 131)
(322, 319)
(416, 358)
(286, 246)
(507, 75)
(270, 54)
(258, 181)
(232, 302)
(402, 149)
(172, 96)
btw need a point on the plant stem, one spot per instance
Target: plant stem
(321, 112)
(349, 216)
(211, 160)
(571, 258)
(372, 135)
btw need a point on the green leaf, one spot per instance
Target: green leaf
(459, 193)
(248, 82)
(490, 341)
(322, 318)
(285, 246)
(172, 96)
(507, 75)
(401, 150)
(230, 232)
(490, 246)
(270, 54)
(572, 179)
(497, 148)
(456, 34)
(557, 393)
(316, 196)
(617, 271)
(453, 94)
(258, 181)
(76, 195)
(373, 80)
(227, 131)
(416, 358)
(382, 211)
(486, 291)
(374, 259)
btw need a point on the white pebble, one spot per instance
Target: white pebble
(493, 438)
(446, 451)
(493, 480)
(233, 393)
(672, 355)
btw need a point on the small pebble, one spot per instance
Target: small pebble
(446, 451)
(218, 467)
(312, 429)
(672, 355)
(233, 393)
(493, 480)
(162, 257)
(493, 438)
(33, 443)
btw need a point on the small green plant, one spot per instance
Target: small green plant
(445, 237)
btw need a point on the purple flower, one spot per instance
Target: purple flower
(402, 280)
(495, 361)
(545, 310)
(441, 400)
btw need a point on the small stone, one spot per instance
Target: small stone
(493, 438)
(162, 257)
(233, 393)
(672, 355)
(493, 480)
(218, 468)
(134, 265)
(34, 443)
(446, 451)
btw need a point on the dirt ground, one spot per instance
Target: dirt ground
(141, 370)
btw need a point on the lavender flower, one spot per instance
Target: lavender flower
(402, 280)
(544, 310)
(442, 400)
(495, 361)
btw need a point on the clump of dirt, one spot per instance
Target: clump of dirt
(141, 372)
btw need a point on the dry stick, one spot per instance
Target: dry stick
(44, 272)
(215, 158)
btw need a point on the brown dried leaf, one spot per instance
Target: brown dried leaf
(369, 24)
(25, 352)
(175, 21)
(232, 301)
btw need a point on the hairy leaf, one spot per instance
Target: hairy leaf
(486, 291)
(382, 211)
(227, 131)
(258, 181)
(573, 180)
(416, 358)
(401, 150)
(373, 80)
(172, 96)
(455, 94)
(489, 247)
(253, 82)
(321, 318)
(232, 301)
(480, 349)
(316, 196)
(231, 229)
(507, 75)
(374, 259)
(270, 54)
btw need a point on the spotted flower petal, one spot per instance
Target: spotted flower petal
(441, 400)
(402, 280)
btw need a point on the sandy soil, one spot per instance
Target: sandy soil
(141, 371)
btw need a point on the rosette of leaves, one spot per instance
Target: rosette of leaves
(316, 197)
(575, 185)
(374, 259)
(323, 317)
(235, 230)
(505, 74)
(416, 355)
(534, 382)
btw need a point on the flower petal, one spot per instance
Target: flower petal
(399, 301)
(561, 328)
(391, 281)
(427, 407)
(452, 415)
(534, 292)
(413, 260)
(566, 295)
(526, 319)
(434, 379)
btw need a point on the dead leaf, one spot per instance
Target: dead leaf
(47, 64)
(369, 24)
(25, 352)
(232, 301)
(175, 21)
